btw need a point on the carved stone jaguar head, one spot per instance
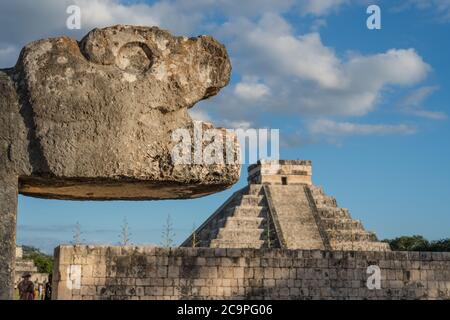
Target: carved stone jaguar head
(94, 119)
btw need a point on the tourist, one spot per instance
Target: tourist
(48, 288)
(26, 288)
(36, 290)
(40, 292)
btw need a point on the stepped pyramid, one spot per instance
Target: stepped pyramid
(281, 208)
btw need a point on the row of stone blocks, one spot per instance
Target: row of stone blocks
(88, 272)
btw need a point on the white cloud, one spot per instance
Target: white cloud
(282, 72)
(440, 7)
(270, 46)
(101, 13)
(247, 8)
(396, 66)
(413, 104)
(318, 24)
(306, 77)
(237, 124)
(333, 128)
(433, 115)
(416, 98)
(252, 91)
(199, 115)
(321, 7)
(254, 8)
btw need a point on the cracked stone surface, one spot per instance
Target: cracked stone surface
(93, 119)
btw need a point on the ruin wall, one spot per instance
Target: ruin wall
(108, 272)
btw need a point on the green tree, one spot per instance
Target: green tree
(43, 262)
(418, 243)
(409, 243)
(440, 245)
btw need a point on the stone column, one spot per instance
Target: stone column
(8, 209)
(11, 124)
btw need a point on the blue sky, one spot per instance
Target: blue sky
(368, 107)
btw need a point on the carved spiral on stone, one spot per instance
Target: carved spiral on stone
(113, 47)
(135, 58)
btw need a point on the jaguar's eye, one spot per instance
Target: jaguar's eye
(135, 58)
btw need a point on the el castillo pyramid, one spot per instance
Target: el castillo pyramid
(281, 208)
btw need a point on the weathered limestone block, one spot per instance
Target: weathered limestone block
(8, 207)
(8, 186)
(94, 120)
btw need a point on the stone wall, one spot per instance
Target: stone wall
(95, 272)
(280, 172)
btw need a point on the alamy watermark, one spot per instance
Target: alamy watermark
(218, 146)
(73, 22)
(374, 20)
(374, 280)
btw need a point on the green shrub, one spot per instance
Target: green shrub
(418, 243)
(43, 262)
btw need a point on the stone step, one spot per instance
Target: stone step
(333, 213)
(240, 234)
(325, 201)
(201, 243)
(351, 235)
(316, 191)
(359, 246)
(217, 222)
(244, 222)
(235, 202)
(295, 217)
(209, 232)
(249, 211)
(218, 243)
(255, 189)
(304, 204)
(24, 263)
(300, 223)
(341, 224)
(22, 268)
(252, 200)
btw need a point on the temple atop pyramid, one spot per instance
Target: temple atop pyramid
(281, 208)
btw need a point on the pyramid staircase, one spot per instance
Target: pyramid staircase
(242, 222)
(298, 226)
(292, 216)
(342, 231)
